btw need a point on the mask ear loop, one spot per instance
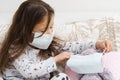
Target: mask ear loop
(32, 40)
(30, 44)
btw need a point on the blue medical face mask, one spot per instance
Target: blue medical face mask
(42, 42)
(86, 64)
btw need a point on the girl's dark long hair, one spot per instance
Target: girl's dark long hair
(20, 34)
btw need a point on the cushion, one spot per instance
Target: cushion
(91, 29)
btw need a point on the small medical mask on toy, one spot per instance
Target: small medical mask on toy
(86, 64)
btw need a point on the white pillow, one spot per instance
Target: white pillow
(3, 29)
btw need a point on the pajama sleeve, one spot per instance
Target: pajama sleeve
(32, 70)
(78, 47)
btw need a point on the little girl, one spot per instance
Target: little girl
(30, 51)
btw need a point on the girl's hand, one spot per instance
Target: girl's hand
(105, 46)
(64, 56)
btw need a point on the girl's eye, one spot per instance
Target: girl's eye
(51, 27)
(42, 31)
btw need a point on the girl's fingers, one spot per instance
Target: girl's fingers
(108, 49)
(104, 51)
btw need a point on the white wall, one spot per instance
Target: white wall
(7, 9)
(67, 10)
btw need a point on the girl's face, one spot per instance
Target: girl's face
(40, 27)
(43, 42)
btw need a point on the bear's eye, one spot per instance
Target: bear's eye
(63, 78)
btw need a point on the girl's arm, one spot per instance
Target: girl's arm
(30, 69)
(78, 47)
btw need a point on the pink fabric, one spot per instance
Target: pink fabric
(71, 74)
(111, 61)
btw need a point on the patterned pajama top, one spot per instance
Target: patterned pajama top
(29, 67)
